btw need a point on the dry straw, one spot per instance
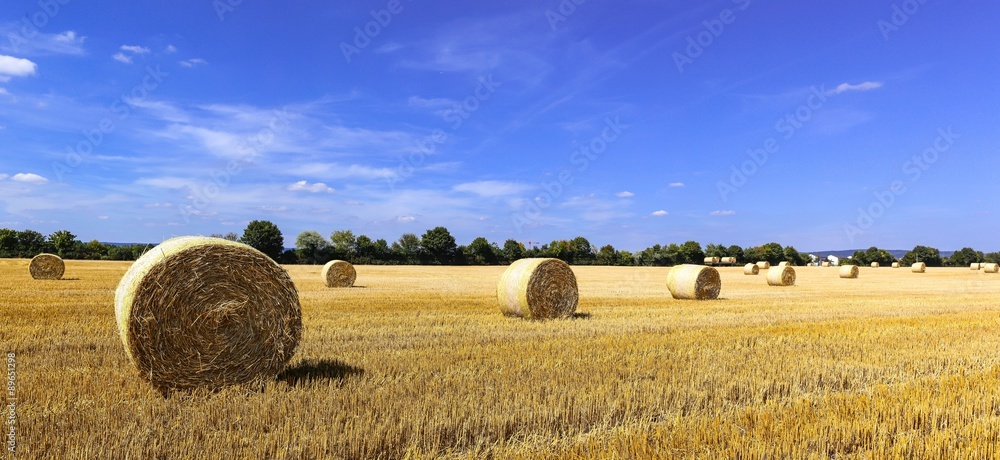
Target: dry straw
(975, 266)
(47, 267)
(918, 267)
(784, 264)
(875, 265)
(764, 265)
(711, 260)
(781, 276)
(199, 312)
(728, 260)
(694, 282)
(895, 265)
(991, 268)
(538, 288)
(751, 269)
(338, 273)
(826, 264)
(849, 271)
(982, 265)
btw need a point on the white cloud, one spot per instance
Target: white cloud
(864, 86)
(430, 103)
(4, 176)
(121, 57)
(303, 186)
(29, 178)
(171, 49)
(659, 213)
(492, 188)
(15, 67)
(625, 194)
(722, 213)
(406, 219)
(135, 49)
(677, 184)
(192, 62)
(40, 43)
(339, 171)
(102, 217)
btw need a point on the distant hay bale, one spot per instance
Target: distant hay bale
(784, 264)
(982, 265)
(47, 267)
(764, 265)
(751, 269)
(198, 312)
(728, 260)
(975, 266)
(895, 265)
(875, 265)
(781, 276)
(826, 264)
(849, 271)
(538, 288)
(338, 273)
(918, 267)
(711, 260)
(694, 282)
(991, 268)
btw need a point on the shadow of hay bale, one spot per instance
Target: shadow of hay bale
(322, 369)
(581, 315)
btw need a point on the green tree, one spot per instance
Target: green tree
(512, 250)
(770, 252)
(63, 242)
(690, 253)
(30, 243)
(312, 248)
(8, 242)
(481, 252)
(265, 237)
(607, 255)
(716, 250)
(383, 254)
(735, 251)
(365, 250)
(927, 255)
(626, 258)
(965, 257)
(795, 257)
(343, 244)
(407, 249)
(560, 249)
(439, 244)
(583, 253)
(993, 258)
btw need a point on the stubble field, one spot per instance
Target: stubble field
(417, 362)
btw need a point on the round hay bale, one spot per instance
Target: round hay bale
(974, 266)
(826, 264)
(538, 288)
(875, 265)
(849, 271)
(918, 267)
(895, 265)
(47, 267)
(711, 260)
(764, 265)
(781, 276)
(751, 269)
(728, 260)
(784, 264)
(982, 265)
(198, 312)
(338, 273)
(991, 268)
(694, 282)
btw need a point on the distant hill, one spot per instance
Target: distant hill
(842, 253)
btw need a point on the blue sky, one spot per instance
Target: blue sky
(823, 126)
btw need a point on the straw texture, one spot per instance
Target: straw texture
(781, 276)
(694, 282)
(918, 267)
(338, 273)
(199, 312)
(849, 271)
(764, 265)
(751, 269)
(538, 288)
(47, 267)
(991, 268)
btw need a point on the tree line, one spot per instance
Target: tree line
(438, 247)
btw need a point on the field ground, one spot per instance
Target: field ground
(418, 362)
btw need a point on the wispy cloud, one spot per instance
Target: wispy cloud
(722, 213)
(30, 178)
(340, 171)
(128, 52)
(193, 62)
(676, 184)
(625, 194)
(492, 188)
(122, 57)
(864, 86)
(134, 49)
(659, 213)
(304, 186)
(40, 43)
